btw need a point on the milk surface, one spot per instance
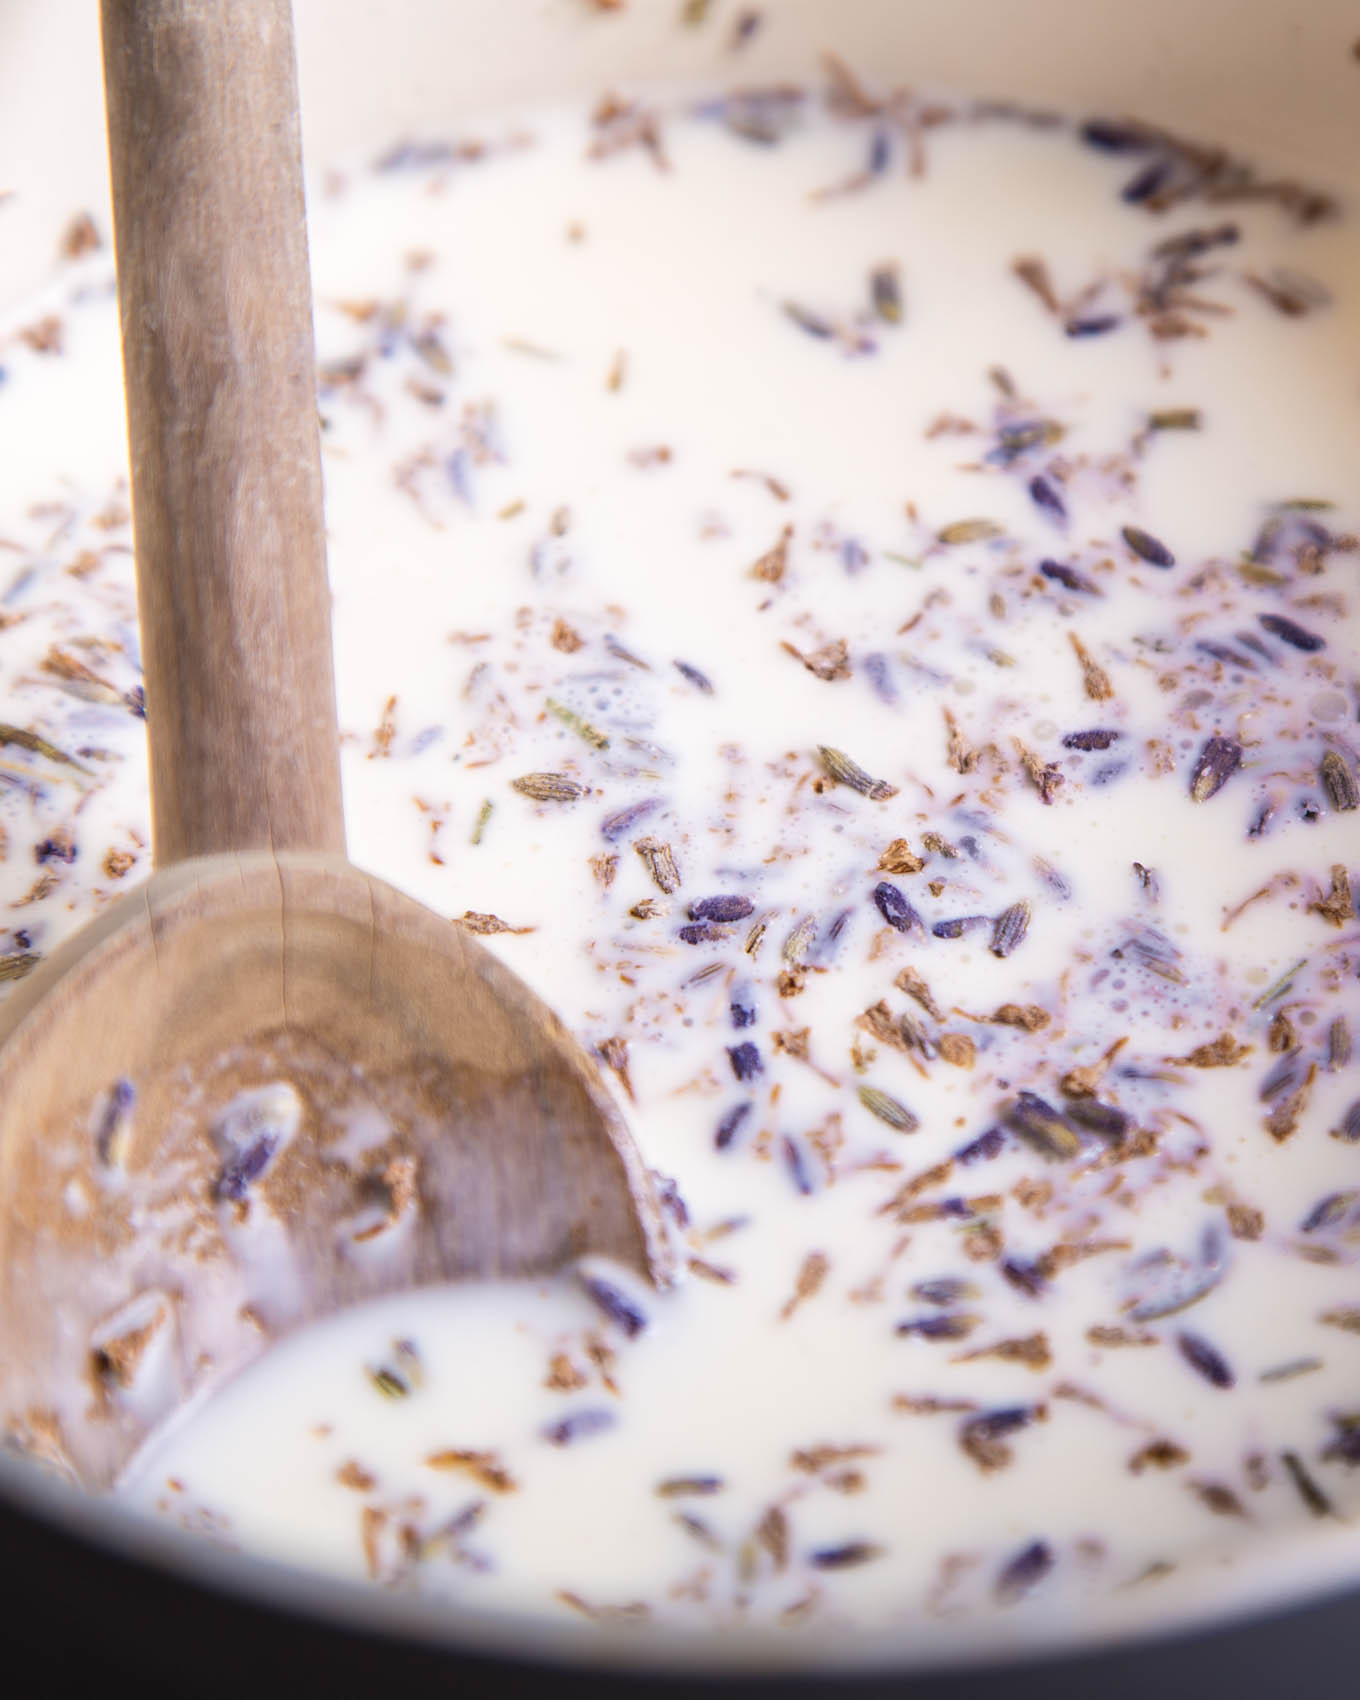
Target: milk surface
(870, 640)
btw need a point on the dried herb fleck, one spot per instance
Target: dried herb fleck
(549, 787)
(839, 767)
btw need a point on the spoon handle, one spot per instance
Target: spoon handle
(215, 300)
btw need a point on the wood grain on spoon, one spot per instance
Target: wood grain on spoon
(254, 930)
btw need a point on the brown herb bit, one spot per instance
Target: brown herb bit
(1338, 781)
(17, 963)
(648, 909)
(1031, 1350)
(884, 1106)
(483, 820)
(1034, 274)
(565, 637)
(1283, 1121)
(830, 662)
(563, 1375)
(793, 1042)
(969, 531)
(613, 1053)
(808, 1283)
(117, 863)
(1221, 1500)
(1158, 1455)
(1008, 933)
(957, 1049)
(914, 985)
(660, 863)
(631, 1611)
(604, 867)
(926, 1405)
(772, 1533)
(898, 859)
(1338, 1043)
(1094, 676)
(473, 922)
(772, 564)
(839, 767)
(372, 1521)
(1289, 292)
(1218, 761)
(574, 723)
(1223, 1052)
(1106, 1334)
(1345, 1317)
(1338, 906)
(352, 1474)
(940, 846)
(548, 787)
(485, 1468)
(26, 740)
(885, 291)
(1176, 419)
(960, 754)
(812, 1460)
(1245, 1222)
(1031, 1017)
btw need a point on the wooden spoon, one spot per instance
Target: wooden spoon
(255, 944)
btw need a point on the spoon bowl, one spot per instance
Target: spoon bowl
(264, 1085)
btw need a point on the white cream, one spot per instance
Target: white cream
(568, 399)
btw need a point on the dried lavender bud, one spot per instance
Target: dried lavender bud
(244, 1166)
(746, 1063)
(577, 1426)
(1024, 1572)
(1328, 1211)
(743, 1014)
(988, 1144)
(1098, 738)
(844, 1557)
(1348, 1129)
(796, 1164)
(700, 681)
(894, 908)
(1104, 1120)
(959, 925)
(549, 787)
(616, 1305)
(1049, 1131)
(888, 1109)
(813, 323)
(957, 1325)
(724, 908)
(115, 1124)
(1345, 1444)
(846, 772)
(1069, 577)
(1206, 1359)
(1046, 495)
(1338, 781)
(1111, 137)
(660, 863)
(1309, 1491)
(1218, 761)
(1147, 547)
(885, 291)
(1025, 1277)
(615, 826)
(703, 932)
(1097, 325)
(944, 1290)
(1010, 929)
(1146, 183)
(730, 1124)
(1290, 632)
(58, 848)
